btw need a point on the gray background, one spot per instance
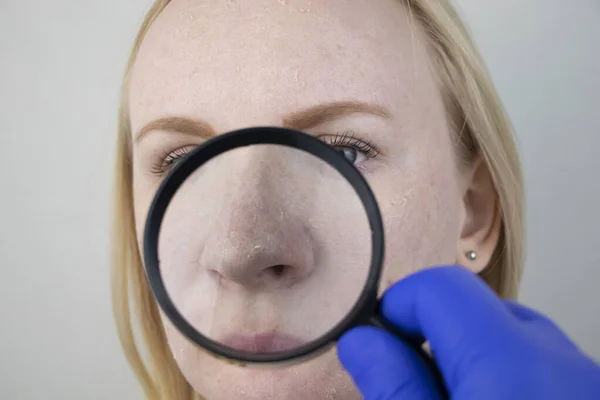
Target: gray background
(60, 67)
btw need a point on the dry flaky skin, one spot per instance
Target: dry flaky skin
(235, 64)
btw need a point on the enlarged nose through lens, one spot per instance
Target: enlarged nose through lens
(270, 276)
(265, 257)
(260, 239)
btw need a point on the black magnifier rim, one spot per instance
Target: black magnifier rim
(361, 310)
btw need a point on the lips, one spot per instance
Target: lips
(264, 342)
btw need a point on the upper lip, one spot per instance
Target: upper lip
(262, 342)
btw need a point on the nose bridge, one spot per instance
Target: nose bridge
(253, 192)
(255, 189)
(257, 228)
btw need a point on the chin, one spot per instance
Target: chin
(316, 379)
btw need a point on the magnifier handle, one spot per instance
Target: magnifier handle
(379, 321)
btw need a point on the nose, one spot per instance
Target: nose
(260, 240)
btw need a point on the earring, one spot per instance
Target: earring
(471, 255)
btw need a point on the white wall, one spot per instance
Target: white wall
(60, 66)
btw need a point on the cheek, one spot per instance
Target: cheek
(421, 226)
(187, 355)
(143, 192)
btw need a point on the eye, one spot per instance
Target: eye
(352, 154)
(169, 159)
(351, 147)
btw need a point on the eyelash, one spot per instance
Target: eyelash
(169, 159)
(349, 139)
(341, 139)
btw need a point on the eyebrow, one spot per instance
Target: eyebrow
(301, 120)
(322, 113)
(184, 125)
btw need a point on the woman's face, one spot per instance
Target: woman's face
(357, 75)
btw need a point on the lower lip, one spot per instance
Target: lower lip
(259, 343)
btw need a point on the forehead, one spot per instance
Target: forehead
(237, 63)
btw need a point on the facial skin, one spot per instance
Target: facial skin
(230, 65)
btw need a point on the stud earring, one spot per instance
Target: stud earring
(471, 255)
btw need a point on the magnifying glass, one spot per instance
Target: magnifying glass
(265, 245)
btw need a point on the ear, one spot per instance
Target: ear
(482, 220)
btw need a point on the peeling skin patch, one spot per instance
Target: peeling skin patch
(406, 196)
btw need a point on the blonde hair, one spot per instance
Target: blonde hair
(481, 128)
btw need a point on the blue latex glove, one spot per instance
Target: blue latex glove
(484, 348)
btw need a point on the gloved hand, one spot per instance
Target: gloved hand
(484, 348)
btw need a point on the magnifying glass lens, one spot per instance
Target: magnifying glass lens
(265, 248)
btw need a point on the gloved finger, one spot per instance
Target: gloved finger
(385, 368)
(455, 311)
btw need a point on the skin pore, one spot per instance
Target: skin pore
(355, 73)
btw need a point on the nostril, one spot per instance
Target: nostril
(276, 270)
